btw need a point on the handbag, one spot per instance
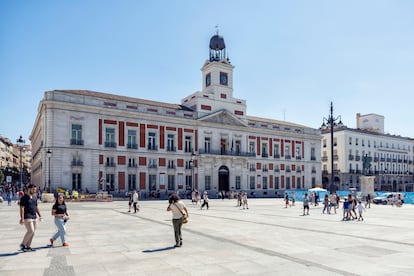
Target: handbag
(185, 217)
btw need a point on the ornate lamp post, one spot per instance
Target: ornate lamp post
(330, 123)
(20, 144)
(49, 155)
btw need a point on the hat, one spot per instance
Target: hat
(31, 186)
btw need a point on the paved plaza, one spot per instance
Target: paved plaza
(266, 239)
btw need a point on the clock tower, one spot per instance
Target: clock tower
(217, 70)
(217, 83)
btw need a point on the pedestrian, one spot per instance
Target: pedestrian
(244, 199)
(198, 198)
(61, 214)
(368, 203)
(326, 205)
(28, 216)
(306, 204)
(286, 200)
(179, 212)
(346, 214)
(135, 198)
(293, 198)
(332, 202)
(205, 200)
(360, 209)
(9, 198)
(130, 201)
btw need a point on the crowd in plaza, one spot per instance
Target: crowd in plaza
(353, 208)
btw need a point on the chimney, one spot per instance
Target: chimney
(358, 115)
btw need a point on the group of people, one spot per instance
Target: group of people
(350, 208)
(29, 213)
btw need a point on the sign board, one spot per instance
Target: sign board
(8, 179)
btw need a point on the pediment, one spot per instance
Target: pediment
(224, 118)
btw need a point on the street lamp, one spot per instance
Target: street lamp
(49, 155)
(20, 144)
(331, 124)
(192, 170)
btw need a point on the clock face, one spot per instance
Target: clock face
(208, 79)
(223, 78)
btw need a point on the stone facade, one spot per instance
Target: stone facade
(102, 141)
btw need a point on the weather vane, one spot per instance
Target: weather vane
(217, 29)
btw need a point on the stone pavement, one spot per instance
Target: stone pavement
(267, 239)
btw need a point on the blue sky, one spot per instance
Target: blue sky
(291, 58)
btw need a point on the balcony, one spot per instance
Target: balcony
(313, 171)
(276, 156)
(298, 157)
(357, 157)
(324, 158)
(230, 153)
(313, 158)
(288, 170)
(171, 149)
(252, 169)
(298, 170)
(336, 157)
(76, 163)
(152, 166)
(188, 167)
(152, 147)
(277, 170)
(171, 167)
(351, 157)
(110, 164)
(132, 146)
(265, 170)
(288, 157)
(376, 159)
(265, 154)
(76, 142)
(131, 165)
(351, 171)
(110, 145)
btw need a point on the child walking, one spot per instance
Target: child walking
(360, 209)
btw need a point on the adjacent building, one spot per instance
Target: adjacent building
(98, 141)
(10, 163)
(389, 157)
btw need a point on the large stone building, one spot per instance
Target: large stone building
(390, 157)
(100, 141)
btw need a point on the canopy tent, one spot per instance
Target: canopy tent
(317, 189)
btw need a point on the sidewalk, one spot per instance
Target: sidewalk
(267, 239)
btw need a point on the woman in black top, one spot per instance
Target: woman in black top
(61, 214)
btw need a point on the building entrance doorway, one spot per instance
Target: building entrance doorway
(223, 177)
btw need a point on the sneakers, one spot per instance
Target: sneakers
(51, 242)
(65, 244)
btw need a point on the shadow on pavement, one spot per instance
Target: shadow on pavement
(157, 250)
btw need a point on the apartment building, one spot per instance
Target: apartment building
(390, 156)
